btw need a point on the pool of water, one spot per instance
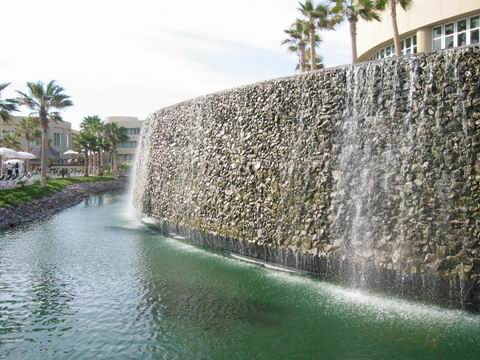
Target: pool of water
(92, 282)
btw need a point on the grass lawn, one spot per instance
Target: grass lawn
(22, 195)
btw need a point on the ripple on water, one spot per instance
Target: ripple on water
(116, 287)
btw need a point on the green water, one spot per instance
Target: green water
(94, 283)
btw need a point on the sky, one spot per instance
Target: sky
(131, 58)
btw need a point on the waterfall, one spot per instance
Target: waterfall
(369, 172)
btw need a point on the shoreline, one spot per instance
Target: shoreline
(39, 209)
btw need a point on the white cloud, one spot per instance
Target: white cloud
(117, 57)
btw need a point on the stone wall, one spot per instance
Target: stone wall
(376, 164)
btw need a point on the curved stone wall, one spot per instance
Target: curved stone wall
(377, 165)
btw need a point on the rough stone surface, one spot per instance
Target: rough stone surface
(45, 207)
(377, 164)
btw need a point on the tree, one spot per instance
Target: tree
(84, 143)
(28, 128)
(115, 135)
(42, 100)
(382, 4)
(11, 140)
(352, 10)
(6, 106)
(94, 126)
(319, 62)
(315, 17)
(297, 41)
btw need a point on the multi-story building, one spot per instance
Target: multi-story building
(59, 134)
(126, 151)
(427, 25)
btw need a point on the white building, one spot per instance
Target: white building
(126, 151)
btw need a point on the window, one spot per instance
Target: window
(458, 33)
(128, 144)
(437, 38)
(57, 139)
(409, 46)
(475, 30)
(134, 131)
(449, 36)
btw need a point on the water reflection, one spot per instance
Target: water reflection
(93, 282)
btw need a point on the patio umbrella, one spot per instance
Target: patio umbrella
(70, 152)
(5, 152)
(25, 155)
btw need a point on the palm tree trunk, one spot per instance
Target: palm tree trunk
(87, 164)
(27, 168)
(114, 160)
(94, 164)
(302, 60)
(353, 36)
(396, 35)
(100, 162)
(313, 54)
(44, 158)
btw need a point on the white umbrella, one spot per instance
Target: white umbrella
(5, 152)
(70, 152)
(25, 155)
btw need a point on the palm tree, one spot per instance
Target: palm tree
(115, 135)
(11, 140)
(319, 62)
(94, 126)
(352, 10)
(382, 4)
(297, 41)
(6, 106)
(42, 99)
(28, 128)
(315, 17)
(84, 142)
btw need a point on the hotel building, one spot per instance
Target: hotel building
(427, 25)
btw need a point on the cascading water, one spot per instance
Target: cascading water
(367, 174)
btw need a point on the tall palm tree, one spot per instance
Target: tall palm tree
(42, 100)
(115, 135)
(316, 16)
(352, 10)
(94, 126)
(84, 143)
(382, 4)
(28, 128)
(6, 106)
(297, 41)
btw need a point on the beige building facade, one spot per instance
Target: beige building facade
(59, 135)
(428, 25)
(126, 151)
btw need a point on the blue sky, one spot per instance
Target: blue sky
(118, 57)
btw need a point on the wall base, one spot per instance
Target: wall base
(445, 291)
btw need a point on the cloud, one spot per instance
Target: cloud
(131, 58)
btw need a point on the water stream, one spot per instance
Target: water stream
(94, 282)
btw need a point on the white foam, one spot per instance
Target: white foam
(378, 307)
